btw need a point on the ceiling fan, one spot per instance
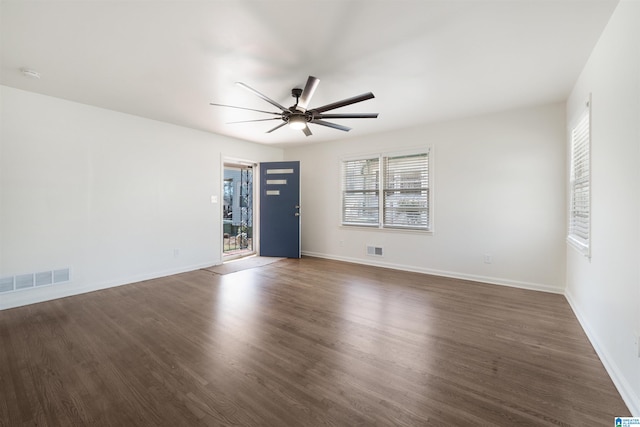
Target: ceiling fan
(298, 116)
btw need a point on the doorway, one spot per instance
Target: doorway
(237, 211)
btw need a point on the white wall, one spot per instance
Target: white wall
(605, 291)
(498, 187)
(108, 194)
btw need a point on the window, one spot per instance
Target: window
(360, 196)
(398, 197)
(580, 184)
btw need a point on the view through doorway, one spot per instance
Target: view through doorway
(237, 211)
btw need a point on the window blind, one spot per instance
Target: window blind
(360, 196)
(406, 191)
(580, 184)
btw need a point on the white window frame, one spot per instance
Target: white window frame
(580, 188)
(382, 192)
(361, 189)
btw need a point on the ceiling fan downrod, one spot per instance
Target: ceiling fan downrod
(296, 92)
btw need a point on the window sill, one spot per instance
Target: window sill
(387, 229)
(579, 247)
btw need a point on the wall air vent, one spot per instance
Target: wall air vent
(32, 280)
(60, 276)
(374, 251)
(24, 281)
(44, 278)
(6, 284)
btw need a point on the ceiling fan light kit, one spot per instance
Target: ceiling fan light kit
(298, 116)
(297, 121)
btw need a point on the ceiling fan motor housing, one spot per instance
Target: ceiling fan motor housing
(296, 117)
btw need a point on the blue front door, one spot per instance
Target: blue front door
(280, 209)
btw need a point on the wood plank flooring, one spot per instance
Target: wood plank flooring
(302, 343)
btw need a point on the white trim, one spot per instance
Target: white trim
(432, 186)
(580, 247)
(234, 161)
(257, 190)
(370, 155)
(573, 241)
(237, 160)
(451, 274)
(622, 385)
(375, 227)
(366, 156)
(422, 149)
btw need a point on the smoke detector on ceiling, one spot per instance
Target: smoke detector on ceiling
(30, 73)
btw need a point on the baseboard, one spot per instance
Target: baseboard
(624, 388)
(450, 274)
(48, 293)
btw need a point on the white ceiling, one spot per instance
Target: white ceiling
(424, 60)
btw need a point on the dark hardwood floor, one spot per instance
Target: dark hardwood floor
(302, 343)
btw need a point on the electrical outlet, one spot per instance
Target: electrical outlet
(638, 344)
(176, 253)
(488, 259)
(341, 243)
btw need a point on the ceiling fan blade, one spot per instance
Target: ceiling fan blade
(256, 120)
(307, 93)
(344, 102)
(277, 127)
(243, 108)
(331, 125)
(307, 131)
(266, 98)
(347, 116)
